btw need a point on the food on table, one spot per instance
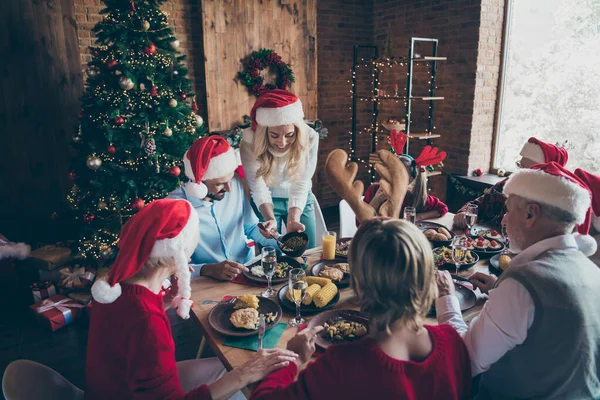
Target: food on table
(294, 243)
(443, 255)
(257, 271)
(344, 267)
(341, 249)
(246, 318)
(311, 280)
(331, 273)
(429, 233)
(270, 317)
(280, 272)
(246, 301)
(504, 262)
(494, 244)
(441, 235)
(310, 292)
(325, 295)
(493, 234)
(481, 243)
(445, 232)
(470, 243)
(344, 330)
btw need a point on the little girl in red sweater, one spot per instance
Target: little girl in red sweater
(394, 278)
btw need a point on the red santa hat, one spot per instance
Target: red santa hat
(593, 183)
(556, 186)
(276, 107)
(164, 228)
(542, 152)
(209, 158)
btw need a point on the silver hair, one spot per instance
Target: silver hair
(563, 219)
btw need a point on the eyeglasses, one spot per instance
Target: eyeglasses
(518, 164)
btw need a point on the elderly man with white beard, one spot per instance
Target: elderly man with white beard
(538, 335)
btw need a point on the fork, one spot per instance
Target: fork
(230, 301)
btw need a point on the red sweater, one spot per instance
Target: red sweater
(363, 371)
(130, 353)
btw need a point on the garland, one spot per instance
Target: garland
(258, 61)
(460, 188)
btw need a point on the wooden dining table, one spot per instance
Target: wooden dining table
(204, 288)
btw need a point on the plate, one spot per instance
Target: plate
(486, 233)
(315, 269)
(452, 266)
(219, 316)
(495, 263)
(292, 262)
(425, 225)
(487, 253)
(319, 320)
(466, 298)
(304, 309)
(341, 241)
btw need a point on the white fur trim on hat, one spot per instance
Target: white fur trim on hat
(197, 190)
(103, 293)
(541, 187)
(586, 244)
(184, 243)
(533, 152)
(280, 116)
(14, 250)
(596, 223)
(221, 165)
(187, 167)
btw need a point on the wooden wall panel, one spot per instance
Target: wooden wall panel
(232, 29)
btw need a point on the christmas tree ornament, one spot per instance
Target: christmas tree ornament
(167, 132)
(102, 205)
(150, 49)
(111, 149)
(154, 91)
(501, 172)
(77, 139)
(150, 147)
(157, 170)
(198, 120)
(174, 44)
(137, 204)
(191, 129)
(117, 72)
(142, 86)
(111, 63)
(175, 73)
(119, 121)
(88, 217)
(478, 172)
(174, 171)
(80, 114)
(95, 53)
(72, 176)
(126, 83)
(183, 96)
(194, 106)
(132, 6)
(173, 103)
(92, 72)
(106, 252)
(93, 163)
(146, 25)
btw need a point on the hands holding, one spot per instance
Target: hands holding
(224, 271)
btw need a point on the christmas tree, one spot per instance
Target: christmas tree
(138, 118)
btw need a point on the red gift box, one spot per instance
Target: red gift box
(58, 311)
(42, 291)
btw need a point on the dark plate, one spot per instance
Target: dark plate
(318, 320)
(342, 240)
(487, 253)
(425, 225)
(298, 251)
(304, 309)
(486, 234)
(495, 263)
(315, 269)
(219, 316)
(452, 267)
(292, 262)
(466, 298)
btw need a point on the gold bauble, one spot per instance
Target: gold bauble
(93, 163)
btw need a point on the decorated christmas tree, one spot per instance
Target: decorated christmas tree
(138, 118)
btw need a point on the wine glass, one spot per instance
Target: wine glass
(298, 286)
(506, 240)
(459, 251)
(410, 214)
(471, 216)
(269, 265)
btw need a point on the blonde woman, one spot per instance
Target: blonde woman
(279, 157)
(394, 278)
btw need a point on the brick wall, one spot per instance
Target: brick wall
(185, 18)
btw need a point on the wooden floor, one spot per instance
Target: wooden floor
(21, 336)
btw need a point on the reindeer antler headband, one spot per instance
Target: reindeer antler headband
(429, 155)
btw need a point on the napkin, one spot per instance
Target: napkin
(272, 337)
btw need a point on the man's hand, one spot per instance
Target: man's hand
(295, 226)
(460, 220)
(224, 271)
(303, 343)
(484, 282)
(445, 284)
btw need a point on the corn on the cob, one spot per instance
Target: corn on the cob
(246, 301)
(325, 295)
(310, 292)
(311, 280)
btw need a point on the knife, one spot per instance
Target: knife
(354, 318)
(253, 261)
(261, 330)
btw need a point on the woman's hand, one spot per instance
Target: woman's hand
(303, 344)
(379, 198)
(295, 226)
(445, 283)
(460, 220)
(265, 362)
(268, 228)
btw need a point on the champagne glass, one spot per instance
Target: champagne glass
(459, 251)
(269, 265)
(298, 286)
(410, 214)
(506, 240)
(471, 216)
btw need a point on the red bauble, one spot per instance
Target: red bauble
(72, 176)
(119, 121)
(194, 106)
(80, 114)
(88, 217)
(154, 91)
(137, 204)
(175, 171)
(111, 149)
(112, 63)
(478, 172)
(150, 49)
(183, 96)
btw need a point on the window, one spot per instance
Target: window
(551, 80)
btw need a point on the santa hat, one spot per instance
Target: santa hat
(209, 158)
(12, 249)
(593, 183)
(556, 186)
(542, 152)
(276, 107)
(164, 228)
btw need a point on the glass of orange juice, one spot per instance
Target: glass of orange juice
(329, 239)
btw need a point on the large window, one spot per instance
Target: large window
(551, 80)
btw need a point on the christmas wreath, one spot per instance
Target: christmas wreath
(258, 61)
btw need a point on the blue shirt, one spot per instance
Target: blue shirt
(224, 227)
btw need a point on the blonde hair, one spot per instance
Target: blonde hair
(392, 263)
(152, 264)
(419, 191)
(295, 158)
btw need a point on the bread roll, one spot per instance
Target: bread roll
(439, 237)
(445, 232)
(429, 233)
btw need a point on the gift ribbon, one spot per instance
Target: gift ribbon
(71, 279)
(48, 305)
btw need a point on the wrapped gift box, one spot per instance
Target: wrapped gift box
(81, 297)
(58, 311)
(49, 257)
(76, 278)
(42, 291)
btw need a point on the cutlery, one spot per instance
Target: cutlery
(354, 318)
(261, 330)
(230, 301)
(279, 242)
(253, 261)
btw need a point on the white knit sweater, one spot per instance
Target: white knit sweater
(295, 191)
